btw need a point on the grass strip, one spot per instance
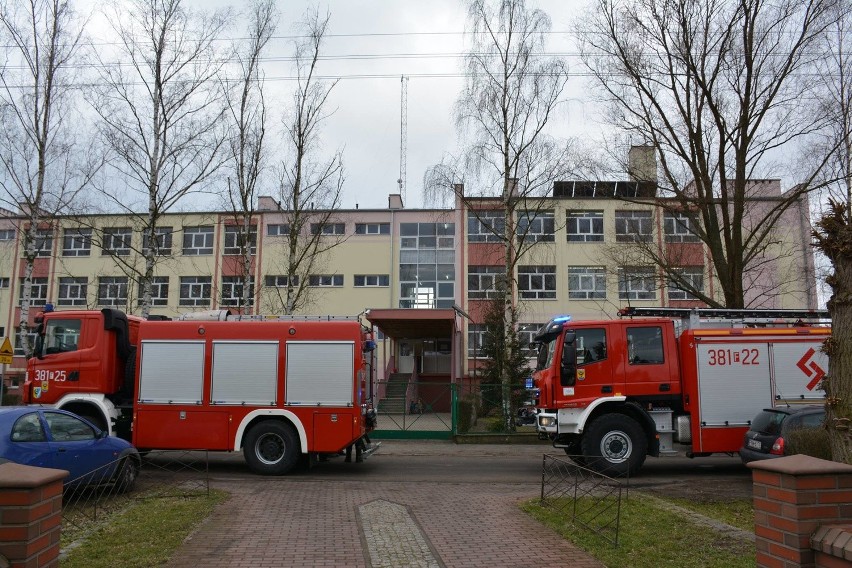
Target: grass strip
(144, 534)
(649, 536)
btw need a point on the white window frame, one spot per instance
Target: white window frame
(585, 226)
(526, 334)
(633, 225)
(164, 237)
(5, 282)
(198, 240)
(232, 291)
(159, 291)
(486, 226)
(117, 241)
(278, 230)
(199, 291)
(231, 244)
(372, 280)
(482, 281)
(325, 280)
(372, 228)
(112, 291)
(586, 283)
(328, 229)
(637, 283)
(73, 291)
(7, 234)
(475, 339)
(695, 275)
(677, 228)
(38, 291)
(534, 282)
(279, 280)
(540, 226)
(44, 242)
(77, 242)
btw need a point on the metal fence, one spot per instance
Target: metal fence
(593, 500)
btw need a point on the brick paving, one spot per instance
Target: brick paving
(285, 521)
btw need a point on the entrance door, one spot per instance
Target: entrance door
(409, 351)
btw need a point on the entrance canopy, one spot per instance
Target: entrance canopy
(412, 323)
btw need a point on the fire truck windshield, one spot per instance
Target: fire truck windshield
(545, 354)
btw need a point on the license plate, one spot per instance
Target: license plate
(754, 444)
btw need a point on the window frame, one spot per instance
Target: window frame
(486, 226)
(192, 234)
(366, 229)
(108, 284)
(630, 225)
(528, 275)
(163, 245)
(117, 241)
(202, 283)
(160, 285)
(234, 285)
(482, 275)
(677, 228)
(39, 284)
(577, 232)
(77, 242)
(597, 275)
(68, 283)
(318, 280)
(691, 273)
(371, 281)
(540, 226)
(230, 244)
(629, 275)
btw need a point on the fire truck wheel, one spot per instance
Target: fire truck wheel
(271, 448)
(614, 445)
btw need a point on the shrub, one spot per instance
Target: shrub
(466, 410)
(808, 441)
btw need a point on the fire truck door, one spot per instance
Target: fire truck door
(648, 361)
(594, 365)
(58, 358)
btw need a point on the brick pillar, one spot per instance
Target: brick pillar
(30, 515)
(793, 496)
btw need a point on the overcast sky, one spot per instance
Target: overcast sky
(420, 39)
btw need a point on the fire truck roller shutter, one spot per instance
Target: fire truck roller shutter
(615, 445)
(245, 372)
(171, 372)
(320, 373)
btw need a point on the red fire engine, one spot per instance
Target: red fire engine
(277, 389)
(612, 392)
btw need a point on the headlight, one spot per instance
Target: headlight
(547, 421)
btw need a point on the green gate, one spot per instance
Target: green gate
(416, 410)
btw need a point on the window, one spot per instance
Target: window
(526, 334)
(44, 242)
(73, 291)
(28, 428)
(77, 242)
(7, 234)
(197, 240)
(486, 226)
(61, 336)
(38, 291)
(19, 349)
(372, 228)
(4, 282)
(694, 275)
(235, 239)
(645, 345)
(427, 271)
(280, 281)
(590, 345)
(159, 291)
(232, 291)
(482, 281)
(372, 280)
(67, 428)
(535, 226)
(117, 241)
(636, 283)
(195, 290)
(475, 339)
(112, 291)
(328, 228)
(633, 226)
(163, 238)
(585, 226)
(278, 230)
(586, 283)
(325, 280)
(679, 228)
(537, 282)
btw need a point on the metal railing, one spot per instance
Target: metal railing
(592, 499)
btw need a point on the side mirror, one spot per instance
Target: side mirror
(568, 364)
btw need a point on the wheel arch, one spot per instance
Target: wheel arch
(96, 403)
(276, 414)
(634, 411)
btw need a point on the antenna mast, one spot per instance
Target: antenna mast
(403, 135)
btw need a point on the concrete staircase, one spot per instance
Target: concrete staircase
(394, 401)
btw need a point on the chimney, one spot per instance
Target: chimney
(642, 164)
(394, 201)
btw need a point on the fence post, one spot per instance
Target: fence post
(454, 409)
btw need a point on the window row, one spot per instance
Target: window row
(581, 226)
(584, 282)
(338, 229)
(194, 290)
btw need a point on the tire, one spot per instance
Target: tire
(614, 445)
(271, 448)
(128, 472)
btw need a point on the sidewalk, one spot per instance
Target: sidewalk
(290, 521)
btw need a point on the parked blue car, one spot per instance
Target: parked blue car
(47, 437)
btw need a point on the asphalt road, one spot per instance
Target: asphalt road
(711, 477)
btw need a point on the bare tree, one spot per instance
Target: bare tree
(512, 94)
(160, 112)
(42, 167)
(310, 184)
(717, 88)
(247, 148)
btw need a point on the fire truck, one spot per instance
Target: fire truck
(277, 389)
(609, 393)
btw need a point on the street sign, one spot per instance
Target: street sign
(6, 352)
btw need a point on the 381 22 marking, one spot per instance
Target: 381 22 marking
(724, 357)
